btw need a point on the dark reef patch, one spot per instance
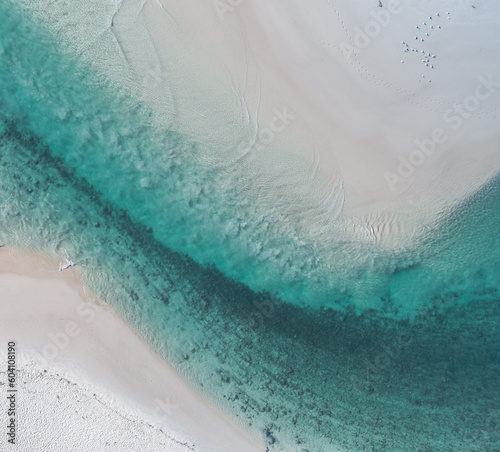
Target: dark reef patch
(363, 381)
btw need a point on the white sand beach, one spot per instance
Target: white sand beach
(394, 105)
(80, 365)
(358, 121)
(349, 121)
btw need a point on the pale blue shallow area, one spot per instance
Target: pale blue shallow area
(84, 173)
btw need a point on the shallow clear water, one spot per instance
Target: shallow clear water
(242, 305)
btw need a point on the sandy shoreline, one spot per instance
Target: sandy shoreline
(70, 346)
(404, 137)
(348, 121)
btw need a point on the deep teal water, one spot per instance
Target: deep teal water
(172, 246)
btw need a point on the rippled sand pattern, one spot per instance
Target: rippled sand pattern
(315, 346)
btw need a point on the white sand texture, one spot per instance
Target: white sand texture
(359, 120)
(85, 381)
(375, 116)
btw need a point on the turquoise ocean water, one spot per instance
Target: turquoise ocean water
(344, 348)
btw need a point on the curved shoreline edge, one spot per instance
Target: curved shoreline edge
(70, 346)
